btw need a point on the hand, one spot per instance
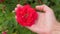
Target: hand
(46, 21)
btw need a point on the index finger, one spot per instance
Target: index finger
(44, 8)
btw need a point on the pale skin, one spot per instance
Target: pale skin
(46, 22)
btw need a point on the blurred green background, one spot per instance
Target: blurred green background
(7, 16)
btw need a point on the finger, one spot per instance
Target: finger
(44, 8)
(18, 5)
(48, 11)
(16, 9)
(16, 17)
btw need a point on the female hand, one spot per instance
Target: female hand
(46, 21)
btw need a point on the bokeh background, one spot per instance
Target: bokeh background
(8, 22)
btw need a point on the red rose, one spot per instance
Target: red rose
(26, 16)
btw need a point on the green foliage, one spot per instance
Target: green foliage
(7, 17)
